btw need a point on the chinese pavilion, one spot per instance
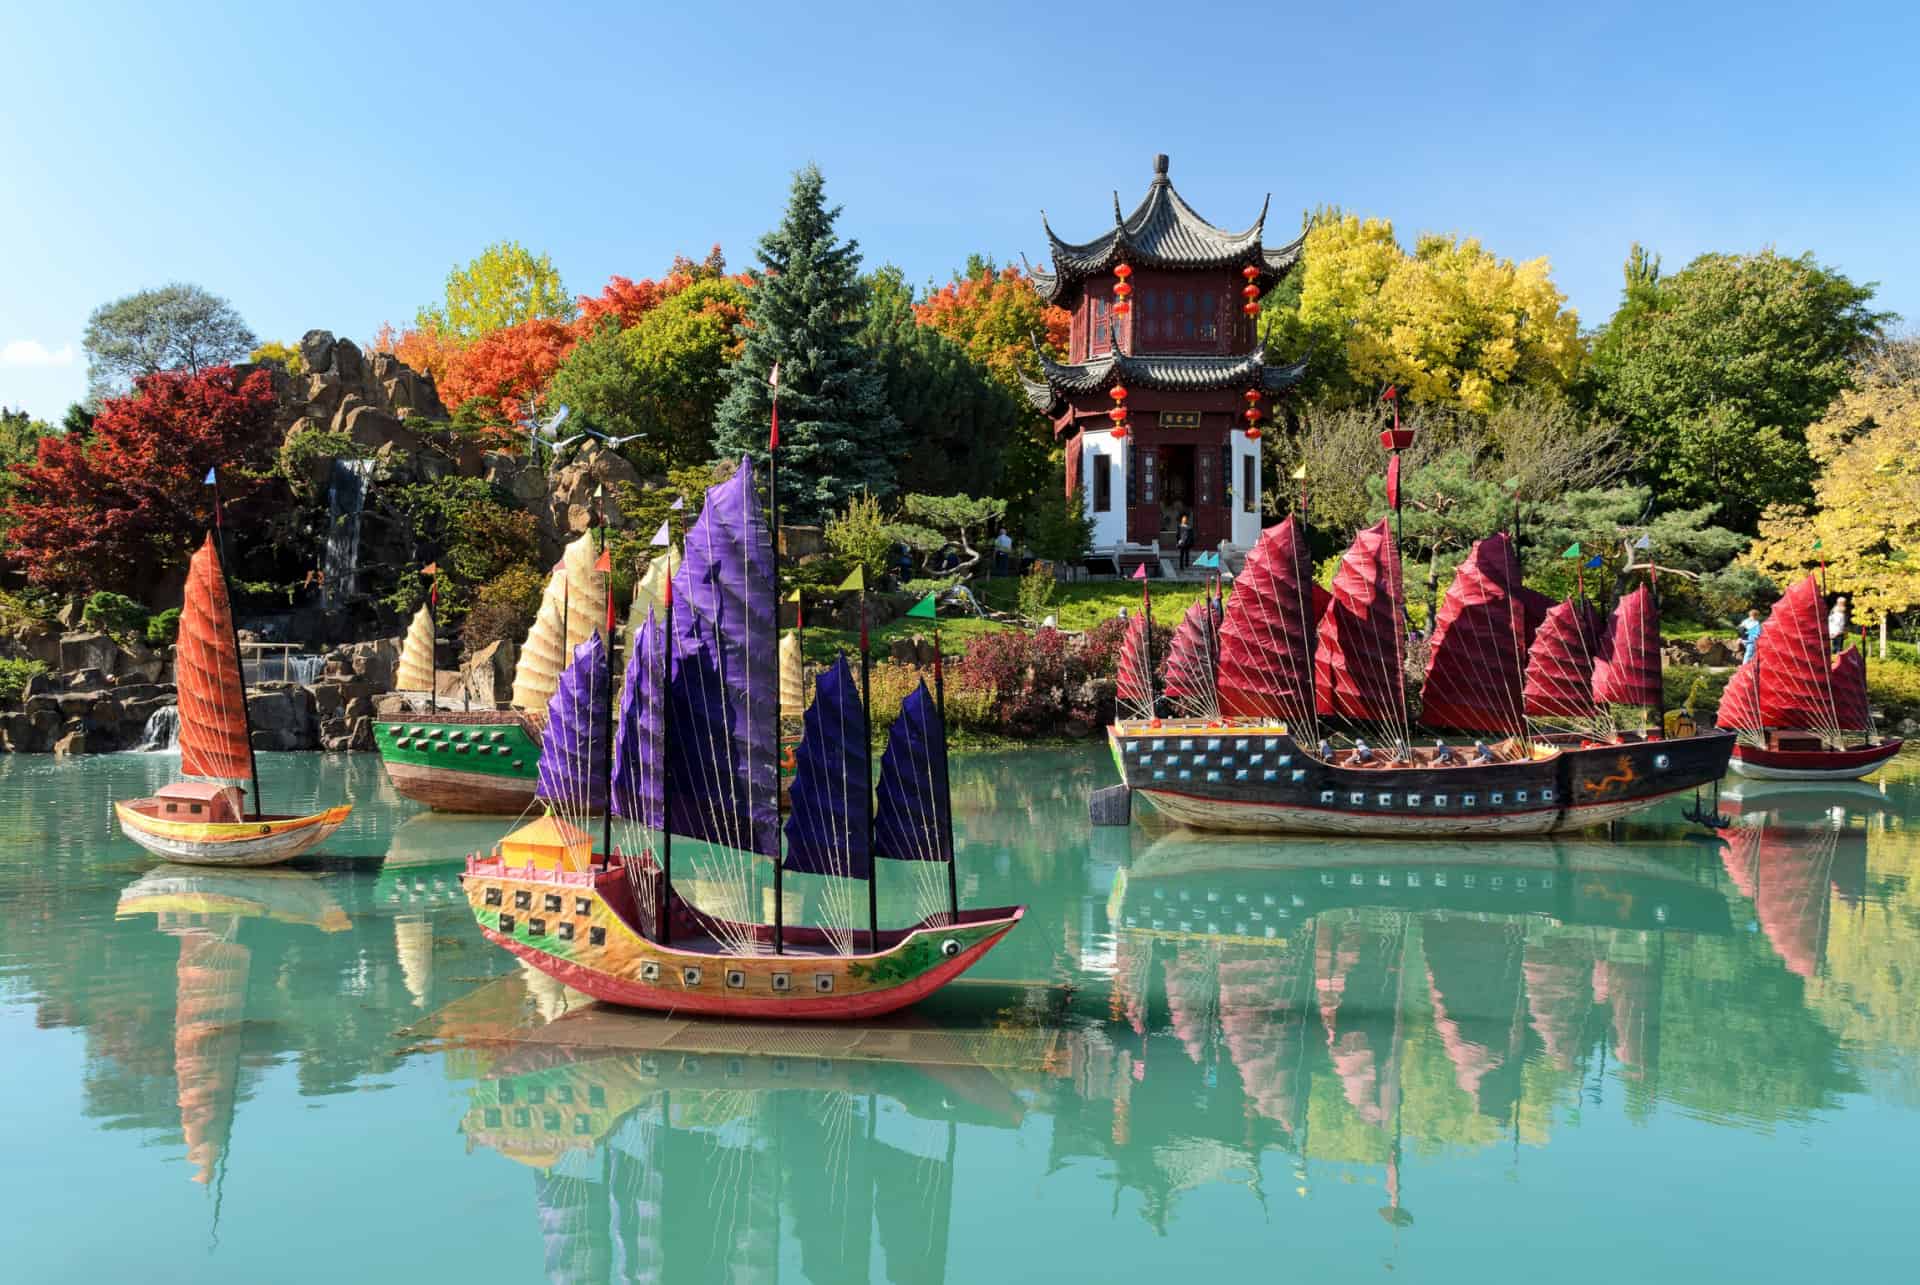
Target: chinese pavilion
(1166, 383)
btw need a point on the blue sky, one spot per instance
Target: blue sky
(323, 166)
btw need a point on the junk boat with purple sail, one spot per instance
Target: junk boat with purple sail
(1265, 685)
(691, 754)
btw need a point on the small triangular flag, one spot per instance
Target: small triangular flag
(925, 609)
(431, 569)
(1816, 544)
(1300, 474)
(858, 580)
(664, 536)
(605, 562)
(1573, 550)
(1140, 572)
(679, 503)
(794, 596)
(1593, 562)
(1644, 542)
(210, 478)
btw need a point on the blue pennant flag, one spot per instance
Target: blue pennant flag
(210, 478)
(1594, 561)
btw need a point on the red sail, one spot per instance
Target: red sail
(1266, 639)
(1627, 670)
(1795, 691)
(213, 704)
(1479, 645)
(1187, 680)
(1740, 703)
(1560, 663)
(1360, 651)
(1134, 688)
(1850, 691)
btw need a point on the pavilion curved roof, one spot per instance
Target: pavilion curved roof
(1162, 232)
(1062, 380)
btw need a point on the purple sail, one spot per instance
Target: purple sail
(573, 749)
(722, 753)
(915, 818)
(637, 766)
(831, 815)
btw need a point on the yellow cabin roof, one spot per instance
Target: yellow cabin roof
(549, 832)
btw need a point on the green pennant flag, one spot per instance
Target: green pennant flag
(858, 580)
(1816, 544)
(1573, 550)
(925, 609)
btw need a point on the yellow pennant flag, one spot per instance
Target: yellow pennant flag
(858, 580)
(1300, 474)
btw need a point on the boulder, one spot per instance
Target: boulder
(390, 706)
(17, 734)
(40, 644)
(373, 663)
(570, 489)
(85, 680)
(139, 663)
(1713, 651)
(486, 681)
(344, 734)
(88, 651)
(924, 651)
(358, 707)
(901, 651)
(316, 349)
(75, 705)
(373, 428)
(37, 685)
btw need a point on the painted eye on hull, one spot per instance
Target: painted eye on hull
(950, 947)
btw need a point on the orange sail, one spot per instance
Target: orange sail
(214, 738)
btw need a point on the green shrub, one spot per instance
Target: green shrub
(1038, 589)
(114, 613)
(164, 628)
(13, 678)
(503, 609)
(861, 536)
(30, 608)
(303, 450)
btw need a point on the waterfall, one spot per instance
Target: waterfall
(162, 732)
(346, 496)
(275, 666)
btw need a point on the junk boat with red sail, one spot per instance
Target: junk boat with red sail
(692, 754)
(1799, 715)
(207, 821)
(1266, 683)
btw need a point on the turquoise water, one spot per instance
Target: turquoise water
(1658, 1056)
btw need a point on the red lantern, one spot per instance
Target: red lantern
(1118, 392)
(1121, 307)
(1118, 414)
(1123, 270)
(1250, 273)
(1251, 415)
(1250, 291)
(1119, 432)
(1252, 395)
(1122, 290)
(1253, 435)
(1250, 308)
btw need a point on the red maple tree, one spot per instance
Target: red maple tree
(131, 500)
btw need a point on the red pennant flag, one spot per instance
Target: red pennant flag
(1140, 572)
(773, 435)
(1393, 482)
(606, 560)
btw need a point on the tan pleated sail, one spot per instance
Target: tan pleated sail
(793, 687)
(574, 605)
(416, 655)
(652, 591)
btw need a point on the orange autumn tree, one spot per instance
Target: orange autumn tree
(498, 377)
(995, 314)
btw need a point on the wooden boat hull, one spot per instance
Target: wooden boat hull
(478, 762)
(1251, 779)
(1812, 765)
(264, 841)
(578, 929)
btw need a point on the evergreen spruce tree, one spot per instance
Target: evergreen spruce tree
(837, 435)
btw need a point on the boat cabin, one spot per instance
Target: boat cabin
(549, 844)
(199, 801)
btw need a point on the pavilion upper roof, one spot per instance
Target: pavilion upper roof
(1182, 373)
(1163, 232)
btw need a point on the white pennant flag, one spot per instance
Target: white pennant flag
(664, 536)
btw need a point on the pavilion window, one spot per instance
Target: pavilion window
(1249, 482)
(1102, 484)
(1097, 324)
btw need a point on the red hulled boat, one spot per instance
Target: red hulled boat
(1800, 715)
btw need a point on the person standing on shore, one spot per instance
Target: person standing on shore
(1837, 623)
(1184, 540)
(1750, 634)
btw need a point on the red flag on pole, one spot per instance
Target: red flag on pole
(1393, 482)
(432, 570)
(773, 435)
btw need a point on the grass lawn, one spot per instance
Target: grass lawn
(955, 634)
(1084, 604)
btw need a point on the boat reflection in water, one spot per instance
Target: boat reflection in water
(203, 908)
(854, 1158)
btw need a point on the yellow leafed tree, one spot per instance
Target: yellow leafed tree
(1450, 323)
(1865, 515)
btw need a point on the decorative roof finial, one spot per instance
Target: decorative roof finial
(1160, 165)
